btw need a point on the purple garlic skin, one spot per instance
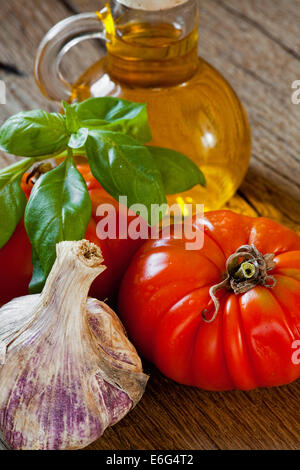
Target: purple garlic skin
(69, 370)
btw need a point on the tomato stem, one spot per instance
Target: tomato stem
(38, 170)
(245, 269)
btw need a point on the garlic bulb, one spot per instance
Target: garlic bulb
(68, 370)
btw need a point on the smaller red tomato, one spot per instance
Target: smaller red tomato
(16, 266)
(15, 256)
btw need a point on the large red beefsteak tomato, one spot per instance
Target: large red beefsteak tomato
(15, 256)
(247, 337)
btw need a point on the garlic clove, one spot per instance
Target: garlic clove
(15, 316)
(70, 370)
(117, 353)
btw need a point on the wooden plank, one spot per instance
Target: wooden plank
(256, 45)
(22, 27)
(171, 416)
(262, 72)
(3, 443)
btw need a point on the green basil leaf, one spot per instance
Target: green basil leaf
(79, 139)
(178, 172)
(116, 115)
(124, 167)
(12, 198)
(33, 134)
(38, 277)
(72, 121)
(59, 208)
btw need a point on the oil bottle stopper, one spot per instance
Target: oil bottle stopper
(152, 5)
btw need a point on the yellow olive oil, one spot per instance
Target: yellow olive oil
(191, 107)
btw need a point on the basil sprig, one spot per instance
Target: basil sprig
(112, 134)
(59, 208)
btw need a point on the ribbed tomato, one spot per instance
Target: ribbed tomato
(166, 303)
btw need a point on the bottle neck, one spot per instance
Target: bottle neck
(152, 48)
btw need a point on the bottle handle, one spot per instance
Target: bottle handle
(57, 42)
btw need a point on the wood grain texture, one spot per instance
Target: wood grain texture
(256, 45)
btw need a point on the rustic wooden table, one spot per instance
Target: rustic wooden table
(256, 45)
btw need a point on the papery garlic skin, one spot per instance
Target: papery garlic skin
(15, 316)
(70, 370)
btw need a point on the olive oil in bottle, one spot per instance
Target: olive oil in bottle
(152, 57)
